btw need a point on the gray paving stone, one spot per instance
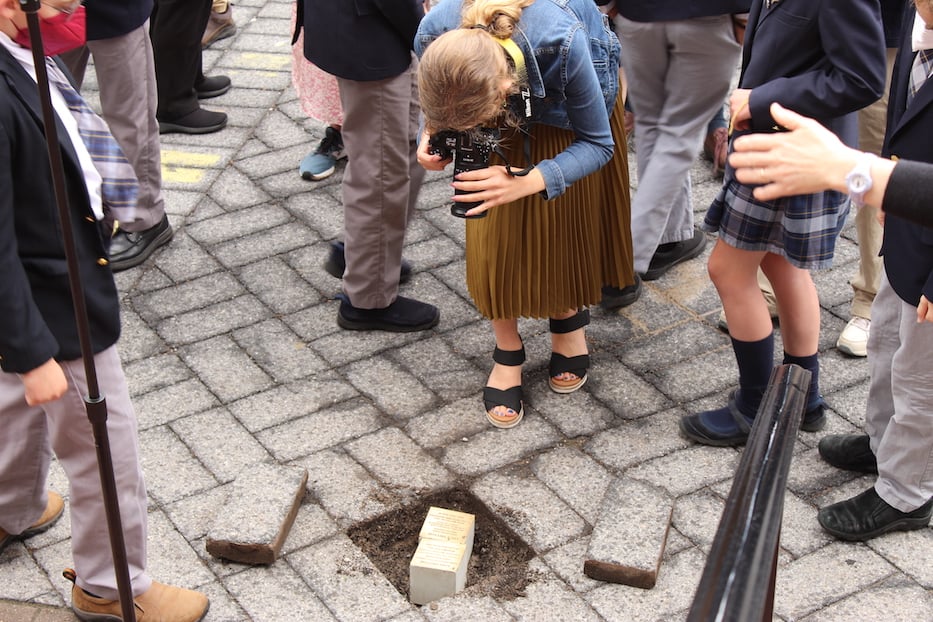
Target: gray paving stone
(825, 576)
(311, 526)
(213, 320)
(238, 224)
(253, 524)
(291, 401)
(226, 369)
(459, 420)
(235, 191)
(341, 348)
(279, 286)
(903, 604)
(627, 395)
(697, 516)
(279, 352)
(347, 581)
(547, 593)
(188, 296)
(911, 552)
(185, 259)
(156, 372)
(530, 509)
(575, 415)
(273, 241)
(172, 402)
(276, 592)
(688, 470)
(395, 391)
(629, 537)
(139, 340)
(689, 381)
(441, 369)
(220, 442)
(575, 478)
(638, 441)
(170, 470)
(567, 562)
(493, 447)
(344, 488)
(170, 557)
(398, 462)
(319, 210)
(303, 436)
(465, 608)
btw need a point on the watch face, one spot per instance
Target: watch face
(859, 183)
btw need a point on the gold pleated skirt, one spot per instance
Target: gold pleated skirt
(536, 258)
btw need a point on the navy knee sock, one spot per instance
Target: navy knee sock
(812, 364)
(755, 360)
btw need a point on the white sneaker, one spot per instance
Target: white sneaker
(853, 340)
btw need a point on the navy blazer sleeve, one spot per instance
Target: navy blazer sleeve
(822, 59)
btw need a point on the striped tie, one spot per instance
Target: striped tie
(119, 187)
(919, 73)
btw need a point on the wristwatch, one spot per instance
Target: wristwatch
(858, 181)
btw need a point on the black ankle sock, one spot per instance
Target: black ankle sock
(812, 364)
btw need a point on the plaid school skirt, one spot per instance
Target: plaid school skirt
(803, 229)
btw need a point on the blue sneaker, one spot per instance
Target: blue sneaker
(321, 162)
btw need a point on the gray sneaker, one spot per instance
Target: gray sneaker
(321, 162)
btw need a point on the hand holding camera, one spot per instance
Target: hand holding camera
(471, 151)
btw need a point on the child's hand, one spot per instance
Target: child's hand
(740, 116)
(430, 161)
(45, 383)
(924, 310)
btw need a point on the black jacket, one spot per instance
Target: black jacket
(114, 18)
(908, 248)
(666, 10)
(35, 299)
(362, 40)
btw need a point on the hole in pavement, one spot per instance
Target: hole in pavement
(498, 566)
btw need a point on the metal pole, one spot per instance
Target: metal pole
(94, 402)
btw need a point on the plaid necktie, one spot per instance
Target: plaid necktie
(923, 64)
(119, 187)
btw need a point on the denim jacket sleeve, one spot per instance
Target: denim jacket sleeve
(585, 106)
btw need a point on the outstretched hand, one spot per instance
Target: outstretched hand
(494, 186)
(806, 159)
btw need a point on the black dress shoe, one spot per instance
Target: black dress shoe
(336, 263)
(405, 315)
(200, 121)
(669, 255)
(615, 298)
(851, 452)
(214, 86)
(867, 515)
(131, 248)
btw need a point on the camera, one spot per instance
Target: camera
(470, 151)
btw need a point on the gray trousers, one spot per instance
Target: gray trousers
(899, 415)
(28, 437)
(380, 184)
(678, 75)
(128, 99)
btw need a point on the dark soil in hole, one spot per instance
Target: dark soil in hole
(498, 566)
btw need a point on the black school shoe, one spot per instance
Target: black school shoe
(696, 427)
(405, 315)
(851, 452)
(669, 255)
(615, 298)
(131, 248)
(336, 263)
(214, 86)
(200, 121)
(867, 516)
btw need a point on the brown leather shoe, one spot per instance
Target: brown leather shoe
(219, 26)
(53, 511)
(160, 603)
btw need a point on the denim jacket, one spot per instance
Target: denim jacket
(572, 58)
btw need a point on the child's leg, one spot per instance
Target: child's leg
(799, 310)
(734, 273)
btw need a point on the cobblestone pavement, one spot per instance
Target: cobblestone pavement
(234, 357)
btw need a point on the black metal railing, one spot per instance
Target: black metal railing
(739, 577)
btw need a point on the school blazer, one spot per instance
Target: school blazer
(822, 58)
(908, 248)
(35, 299)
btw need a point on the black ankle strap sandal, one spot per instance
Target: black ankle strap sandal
(560, 364)
(510, 398)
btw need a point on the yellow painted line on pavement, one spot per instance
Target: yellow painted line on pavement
(259, 60)
(186, 167)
